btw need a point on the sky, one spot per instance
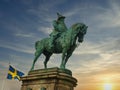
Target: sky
(95, 63)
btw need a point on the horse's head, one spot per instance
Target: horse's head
(80, 30)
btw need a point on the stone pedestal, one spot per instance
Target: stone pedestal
(49, 79)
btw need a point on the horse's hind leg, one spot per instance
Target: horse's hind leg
(37, 54)
(47, 59)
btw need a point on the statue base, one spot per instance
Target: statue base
(49, 79)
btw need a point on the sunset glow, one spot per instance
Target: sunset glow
(107, 86)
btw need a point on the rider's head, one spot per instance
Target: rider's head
(60, 16)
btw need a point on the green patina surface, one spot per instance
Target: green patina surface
(61, 40)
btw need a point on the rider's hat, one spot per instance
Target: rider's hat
(60, 16)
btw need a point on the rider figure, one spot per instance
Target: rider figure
(59, 27)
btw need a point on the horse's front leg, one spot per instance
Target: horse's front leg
(67, 57)
(62, 66)
(47, 59)
(37, 54)
(69, 53)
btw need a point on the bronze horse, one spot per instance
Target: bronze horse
(64, 44)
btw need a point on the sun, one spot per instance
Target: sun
(107, 86)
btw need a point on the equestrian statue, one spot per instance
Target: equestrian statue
(61, 40)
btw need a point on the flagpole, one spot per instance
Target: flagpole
(3, 84)
(4, 79)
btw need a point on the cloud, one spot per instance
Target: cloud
(17, 47)
(97, 56)
(46, 30)
(24, 35)
(45, 10)
(93, 58)
(110, 16)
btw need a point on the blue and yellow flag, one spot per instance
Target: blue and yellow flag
(14, 74)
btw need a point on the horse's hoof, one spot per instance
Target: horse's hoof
(45, 67)
(62, 67)
(31, 69)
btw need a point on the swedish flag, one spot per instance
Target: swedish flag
(14, 74)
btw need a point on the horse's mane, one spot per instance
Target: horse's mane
(75, 25)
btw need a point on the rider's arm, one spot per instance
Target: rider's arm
(55, 25)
